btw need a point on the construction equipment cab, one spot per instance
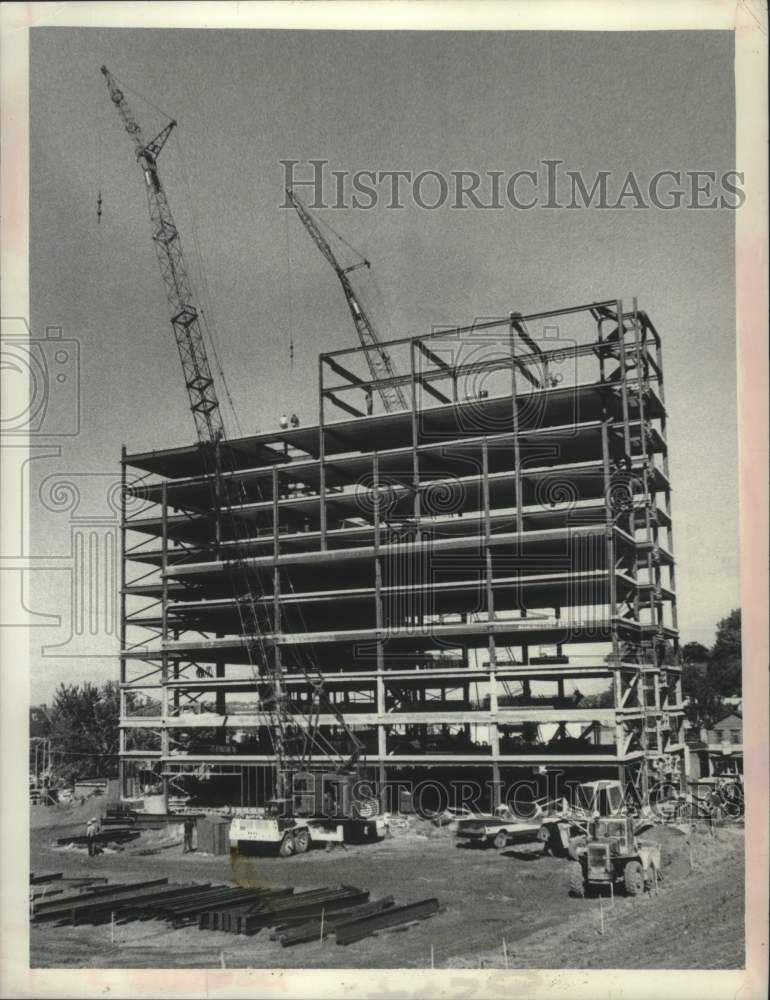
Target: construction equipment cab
(600, 798)
(331, 795)
(564, 830)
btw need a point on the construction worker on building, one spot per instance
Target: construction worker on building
(283, 423)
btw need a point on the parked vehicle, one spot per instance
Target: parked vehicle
(324, 808)
(498, 829)
(614, 856)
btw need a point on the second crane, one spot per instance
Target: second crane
(378, 359)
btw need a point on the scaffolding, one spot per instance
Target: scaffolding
(456, 571)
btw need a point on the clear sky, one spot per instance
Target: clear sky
(443, 101)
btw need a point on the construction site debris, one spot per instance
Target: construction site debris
(296, 917)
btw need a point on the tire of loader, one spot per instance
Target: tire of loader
(287, 846)
(633, 879)
(301, 841)
(501, 840)
(576, 883)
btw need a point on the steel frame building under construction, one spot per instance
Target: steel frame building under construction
(484, 579)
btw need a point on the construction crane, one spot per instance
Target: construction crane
(377, 358)
(210, 429)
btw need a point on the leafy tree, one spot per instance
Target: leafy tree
(83, 722)
(725, 658)
(709, 675)
(705, 704)
(84, 730)
(694, 652)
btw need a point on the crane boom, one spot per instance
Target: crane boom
(210, 429)
(377, 358)
(185, 318)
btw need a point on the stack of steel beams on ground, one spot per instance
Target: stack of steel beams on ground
(320, 927)
(64, 909)
(311, 915)
(48, 877)
(45, 886)
(298, 908)
(398, 916)
(220, 898)
(137, 820)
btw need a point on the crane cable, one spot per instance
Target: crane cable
(322, 223)
(133, 90)
(289, 289)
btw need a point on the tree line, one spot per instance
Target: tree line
(711, 675)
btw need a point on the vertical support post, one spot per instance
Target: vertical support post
(218, 498)
(164, 735)
(415, 438)
(490, 595)
(495, 738)
(641, 363)
(623, 379)
(519, 499)
(600, 340)
(610, 538)
(667, 490)
(276, 517)
(379, 624)
(221, 701)
(122, 624)
(377, 546)
(278, 693)
(494, 730)
(321, 455)
(382, 753)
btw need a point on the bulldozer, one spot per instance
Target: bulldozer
(614, 857)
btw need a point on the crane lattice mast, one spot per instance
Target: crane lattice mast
(210, 429)
(377, 358)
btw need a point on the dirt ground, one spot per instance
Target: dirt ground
(518, 896)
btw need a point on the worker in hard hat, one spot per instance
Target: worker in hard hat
(294, 420)
(283, 423)
(92, 828)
